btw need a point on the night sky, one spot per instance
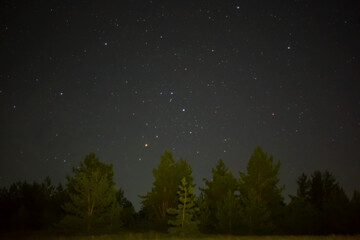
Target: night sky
(203, 79)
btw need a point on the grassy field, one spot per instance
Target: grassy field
(160, 236)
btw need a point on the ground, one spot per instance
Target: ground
(155, 235)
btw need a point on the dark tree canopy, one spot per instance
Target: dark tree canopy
(35, 206)
(249, 205)
(217, 189)
(320, 206)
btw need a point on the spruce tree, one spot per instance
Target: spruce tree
(184, 222)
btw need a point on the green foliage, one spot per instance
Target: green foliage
(300, 217)
(322, 186)
(320, 206)
(164, 236)
(303, 187)
(163, 196)
(255, 214)
(184, 222)
(203, 215)
(228, 213)
(262, 176)
(250, 205)
(258, 188)
(216, 191)
(128, 211)
(355, 212)
(92, 196)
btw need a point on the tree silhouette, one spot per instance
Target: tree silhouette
(35, 206)
(320, 206)
(128, 211)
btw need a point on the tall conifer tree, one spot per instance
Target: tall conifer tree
(260, 183)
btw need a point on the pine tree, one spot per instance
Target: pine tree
(303, 187)
(300, 217)
(227, 213)
(184, 222)
(330, 203)
(163, 195)
(203, 215)
(217, 189)
(255, 214)
(260, 184)
(92, 196)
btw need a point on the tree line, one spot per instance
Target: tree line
(248, 203)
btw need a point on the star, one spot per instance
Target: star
(207, 98)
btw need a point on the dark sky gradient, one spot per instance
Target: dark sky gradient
(203, 79)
